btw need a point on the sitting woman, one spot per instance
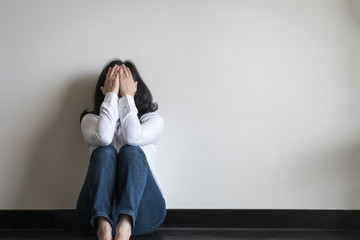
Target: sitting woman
(121, 196)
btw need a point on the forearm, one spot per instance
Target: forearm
(100, 130)
(135, 132)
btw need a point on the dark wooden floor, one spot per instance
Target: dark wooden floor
(189, 233)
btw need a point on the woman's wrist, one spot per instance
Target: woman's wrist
(114, 91)
(126, 94)
(112, 94)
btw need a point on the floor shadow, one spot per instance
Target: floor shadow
(59, 157)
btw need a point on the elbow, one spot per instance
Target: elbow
(131, 142)
(103, 140)
(104, 143)
(131, 139)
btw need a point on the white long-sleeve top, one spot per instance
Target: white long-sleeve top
(118, 124)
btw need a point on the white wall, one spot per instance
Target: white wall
(261, 99)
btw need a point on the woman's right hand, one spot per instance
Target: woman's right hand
(112, 81)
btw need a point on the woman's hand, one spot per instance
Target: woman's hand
(112, 81)
(127, 84)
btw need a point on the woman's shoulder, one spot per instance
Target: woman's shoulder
(89, 117)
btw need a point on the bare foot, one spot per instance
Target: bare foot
(123, 229)
(104, 231)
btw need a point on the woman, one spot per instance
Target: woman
(121, 196)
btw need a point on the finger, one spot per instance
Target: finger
(129, 72)
(121, 71)
(118, 71)
(108, 72)
(113, 70)
(125, 71)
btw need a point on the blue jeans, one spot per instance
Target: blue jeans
(121, 183)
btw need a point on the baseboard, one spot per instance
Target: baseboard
(199, 218)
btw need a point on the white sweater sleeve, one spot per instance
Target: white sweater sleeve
(134, 132)
(100, 130)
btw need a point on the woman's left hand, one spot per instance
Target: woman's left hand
(127, 84)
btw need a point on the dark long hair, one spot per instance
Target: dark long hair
(143, 97)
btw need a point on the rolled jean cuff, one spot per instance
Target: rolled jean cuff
(98, 214)
(128, 212)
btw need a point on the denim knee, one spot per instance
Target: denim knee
(104, 154)
(130, 150)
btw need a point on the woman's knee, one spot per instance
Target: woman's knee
(104, 155)
(130, 152)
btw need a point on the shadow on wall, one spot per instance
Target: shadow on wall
(355, 9)
(354, 151)
(335, 166)
(58, 162)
